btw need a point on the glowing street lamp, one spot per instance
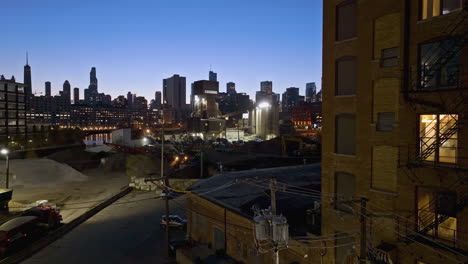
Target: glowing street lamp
(5, 152)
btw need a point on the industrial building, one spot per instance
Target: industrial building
(221, 219)
(394, 153)
(12, 111)
(206, 121)
(264, 120)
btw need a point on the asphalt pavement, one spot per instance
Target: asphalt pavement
(125, 232)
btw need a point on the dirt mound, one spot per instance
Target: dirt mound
(30, 172)
(79, 159)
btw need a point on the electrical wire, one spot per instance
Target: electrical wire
(442, 245)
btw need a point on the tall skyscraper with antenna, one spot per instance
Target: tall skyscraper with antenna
(27, 77)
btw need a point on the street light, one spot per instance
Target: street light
(5, 152)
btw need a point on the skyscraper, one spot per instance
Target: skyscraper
(231, 88)
(174, 92)
(91, 94)
(311, 91)
(48, 89)
(27, 78)
(157, 99)
(266, 87)
(213, 76)
(290, 99)
(93, 81)
(66, 90)
(76, 95)
(129, 98)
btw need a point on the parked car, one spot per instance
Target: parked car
(167, 194)
(175, 221)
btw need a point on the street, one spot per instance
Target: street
(125, 232)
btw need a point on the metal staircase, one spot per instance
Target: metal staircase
(440, 55)
(430, 69)
(441, 134)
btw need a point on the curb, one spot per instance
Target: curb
(61, 231)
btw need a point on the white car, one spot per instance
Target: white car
(175, 221)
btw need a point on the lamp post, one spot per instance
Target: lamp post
(5, 152)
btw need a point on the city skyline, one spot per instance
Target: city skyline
(252, 53)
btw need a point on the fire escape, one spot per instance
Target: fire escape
(427, 80)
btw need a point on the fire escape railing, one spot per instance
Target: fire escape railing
(428, 78)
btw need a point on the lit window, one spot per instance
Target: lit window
(432, 8)
(437, 214)
(438, 130)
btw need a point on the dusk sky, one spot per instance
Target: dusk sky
(135, 44)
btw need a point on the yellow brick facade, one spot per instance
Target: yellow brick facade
(390, 188)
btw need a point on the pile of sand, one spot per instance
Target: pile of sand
(30, 172)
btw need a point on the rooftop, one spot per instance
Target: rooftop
(240, 196)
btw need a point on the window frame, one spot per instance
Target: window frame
(437, 151)
(339, 198)
(439, 82)
(383, 59)
(344, 59)
(433, 210)
(337, 7)
(336, 134)
(441, 12)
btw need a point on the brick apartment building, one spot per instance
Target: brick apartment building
(394, 104)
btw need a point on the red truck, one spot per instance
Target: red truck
(15, 232)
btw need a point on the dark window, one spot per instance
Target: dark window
(345, 189)
(449, 6)
(390, 57)
(11, 114)
(439, 63)
(385, 121)
(345, 248)
(346, 76)
(345, 130)
(346, 20)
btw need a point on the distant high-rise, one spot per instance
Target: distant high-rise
(129, 98)
(27, 78)
(174, 92)
(266, 87)
(91, 95)
(48, 89)
(231, 88)
(76, 95)
(66, 90)
(290, 98)
(311, 91)
(93, 81)
(213, 76)
(157, 99)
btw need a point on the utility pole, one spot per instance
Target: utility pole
(273, 211)
(363, 221)
(271, 227)
(166, 183)
(273, 195)
(201, 164)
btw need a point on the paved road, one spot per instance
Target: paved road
(125, 232)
